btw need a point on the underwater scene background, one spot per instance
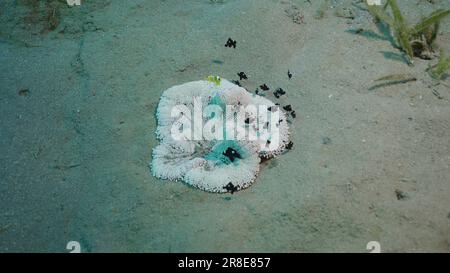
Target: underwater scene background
(79, 87)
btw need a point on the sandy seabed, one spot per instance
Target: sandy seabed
(78, 94)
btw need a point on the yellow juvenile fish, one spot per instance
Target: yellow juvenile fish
(214, 79)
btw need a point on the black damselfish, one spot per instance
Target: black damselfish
(264, 87)
(230, 188)
(290, 145)
(232, 154)
(288, 108)
(237, 83)
(231, 43)
(279, 92)
(242, 76)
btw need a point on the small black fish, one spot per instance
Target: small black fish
(257, 91)
(237, 83)
(247, 121)
(268, 142)
(288, 108)
(277, 104)
(230, 188)
(231, 43)
(242, 76)
(293, 114)
(280, 91)
(232, 154)
(289, 74)
(264, 87)
(290, 145)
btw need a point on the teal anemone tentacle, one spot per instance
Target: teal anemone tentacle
(217, 153)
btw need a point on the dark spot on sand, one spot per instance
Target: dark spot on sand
(24, 92)
(400, 194)
(217, 61)
(326, 140)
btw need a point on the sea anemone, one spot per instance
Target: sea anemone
(229, 162)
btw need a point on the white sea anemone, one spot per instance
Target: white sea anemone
(227, 163)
